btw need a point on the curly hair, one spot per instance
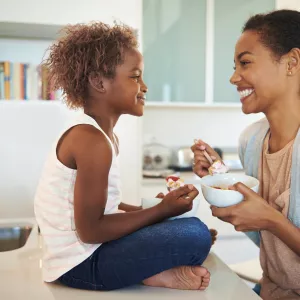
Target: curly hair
(86, 49)
(278, 30)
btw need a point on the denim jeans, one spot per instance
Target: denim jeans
(142, 254)
(257, 289)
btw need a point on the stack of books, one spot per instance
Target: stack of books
(21, 81)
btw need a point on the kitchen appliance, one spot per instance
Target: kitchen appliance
(183, 157)
(156, 160)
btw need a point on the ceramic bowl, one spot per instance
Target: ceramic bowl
(215, 188)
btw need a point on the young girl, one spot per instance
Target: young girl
(88, 244)
(267, 77)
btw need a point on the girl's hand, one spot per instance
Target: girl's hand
(179, 201)
(201, 164)
(252, 214)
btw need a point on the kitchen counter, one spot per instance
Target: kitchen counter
(20, 278)
(187, 176)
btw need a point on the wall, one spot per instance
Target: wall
(180, 126)
(27, 132)
(61, 13)
(289, 4)
(71, 11)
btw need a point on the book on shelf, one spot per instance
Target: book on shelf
(23, 81)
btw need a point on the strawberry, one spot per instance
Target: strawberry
(174, 178)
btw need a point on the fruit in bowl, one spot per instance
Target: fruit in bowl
(216, 190)
(174, 182)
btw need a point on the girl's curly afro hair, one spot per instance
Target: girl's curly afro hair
(84, 50)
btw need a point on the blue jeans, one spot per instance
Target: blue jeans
(142, 254)
(257, 289)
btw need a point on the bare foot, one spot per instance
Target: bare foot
(181, 278)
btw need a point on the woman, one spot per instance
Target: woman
(267, 77)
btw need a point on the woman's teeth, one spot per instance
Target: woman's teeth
(245, 93)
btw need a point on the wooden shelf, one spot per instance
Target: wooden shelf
(29, 30)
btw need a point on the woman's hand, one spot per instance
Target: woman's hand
(179, 201)
(252, 214)
(201, 164)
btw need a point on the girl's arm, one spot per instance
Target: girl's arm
(93, 156)
(128, 207)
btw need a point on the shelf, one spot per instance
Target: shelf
(148, 104)
(28, 102)
(191, 105)
(29, 30)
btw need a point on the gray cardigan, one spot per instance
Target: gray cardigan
(250, 149)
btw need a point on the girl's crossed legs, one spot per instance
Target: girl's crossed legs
(166, 254)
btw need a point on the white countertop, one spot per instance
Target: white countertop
(189, 177)
(20, 278)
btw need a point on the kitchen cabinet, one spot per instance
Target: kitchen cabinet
(188, 47)
(229, 18)
(174, 50)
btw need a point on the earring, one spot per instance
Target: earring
(289, 73)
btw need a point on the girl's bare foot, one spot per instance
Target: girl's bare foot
(181, 278)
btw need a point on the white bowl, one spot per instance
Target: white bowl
(224, 198)
(150, 202)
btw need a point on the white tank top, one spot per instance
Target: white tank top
(54, 210)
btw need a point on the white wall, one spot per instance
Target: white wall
(27, 131)
(61, 12)
(178, 126)
(289, 4)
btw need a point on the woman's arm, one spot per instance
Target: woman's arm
(286, 231)
(254, 214)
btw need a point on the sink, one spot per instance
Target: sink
(14, 236)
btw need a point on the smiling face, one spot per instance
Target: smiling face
(127, 90)
(260, 78)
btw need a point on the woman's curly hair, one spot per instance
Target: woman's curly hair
(84, 50)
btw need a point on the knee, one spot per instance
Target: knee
(196, 234)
